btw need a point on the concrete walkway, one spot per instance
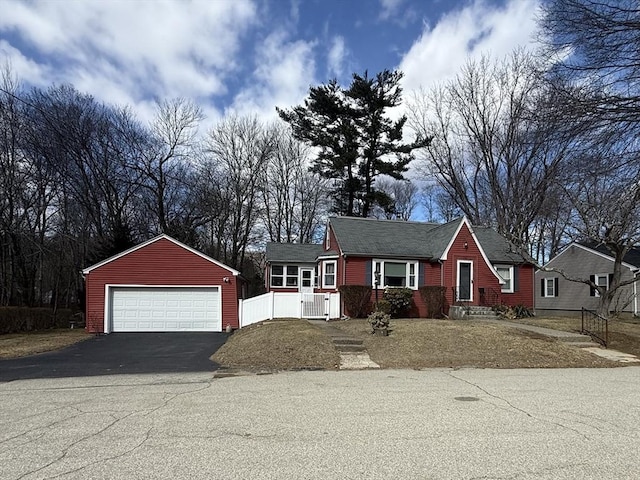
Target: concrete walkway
(574, 339)
(353, 354)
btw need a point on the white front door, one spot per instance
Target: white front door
(306, 280)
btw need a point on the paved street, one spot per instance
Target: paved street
(440, 423)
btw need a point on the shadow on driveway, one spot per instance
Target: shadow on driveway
(121, 353)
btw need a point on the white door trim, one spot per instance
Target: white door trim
(470, 263)
(301, 287)
(108, 293)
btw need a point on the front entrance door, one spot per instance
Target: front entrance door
(465, 281)
(306, 280)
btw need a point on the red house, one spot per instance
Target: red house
(475, 264)
(161, 285)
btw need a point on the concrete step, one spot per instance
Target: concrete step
(583, 344)
(346, 341)
(350, 348)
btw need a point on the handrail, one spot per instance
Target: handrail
(596, 326)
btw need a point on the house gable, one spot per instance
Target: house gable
(463, 233)
(150, 242)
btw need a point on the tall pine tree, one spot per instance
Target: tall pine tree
(357, 140)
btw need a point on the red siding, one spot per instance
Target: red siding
(160, 263)
(525, 292)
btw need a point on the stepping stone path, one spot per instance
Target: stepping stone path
(353, 355)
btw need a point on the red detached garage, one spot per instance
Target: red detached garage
(161, 285)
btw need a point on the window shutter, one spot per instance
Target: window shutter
(555, 287)
(592, 291)
(516, 278)
(542, 285)
(368, 278)
(610, 281)
(420, 274)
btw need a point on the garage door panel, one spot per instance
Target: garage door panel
(154, 309)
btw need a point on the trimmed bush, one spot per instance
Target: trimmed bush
(357, 299)
(435, 300)
(399, 300)
(25, 319)
(379, 321)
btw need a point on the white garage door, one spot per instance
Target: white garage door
(170, 309)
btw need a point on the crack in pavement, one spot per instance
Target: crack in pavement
(166, 399)
(518, 409)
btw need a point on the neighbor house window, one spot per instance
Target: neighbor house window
(601, 280)
(284, 276)
(549, 287)
(395, 274)
(506, 273)
(329, 274)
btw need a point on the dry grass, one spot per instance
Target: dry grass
(13, 345)
(624, 335)
(444, 343)
(278, 344)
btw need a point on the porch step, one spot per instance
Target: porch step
(350, 348)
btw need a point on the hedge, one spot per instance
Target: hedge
(435, 300)
(357, 299)
(26, 319)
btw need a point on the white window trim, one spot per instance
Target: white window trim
(381, 262)
(596, 277)
(284, 276)
(511, 289)
(546, 287)
(335, 273)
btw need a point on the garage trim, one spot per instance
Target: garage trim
(108, 296)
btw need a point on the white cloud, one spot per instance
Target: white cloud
(285, 70)
(336, 56)
(479, 28)
(124, 51)
(389, 8)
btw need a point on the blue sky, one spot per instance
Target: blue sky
(248, 56)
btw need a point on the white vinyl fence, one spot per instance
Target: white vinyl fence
(286, 305)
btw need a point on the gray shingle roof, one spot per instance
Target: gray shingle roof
(392, 238)
(293, 252)
(497, 248)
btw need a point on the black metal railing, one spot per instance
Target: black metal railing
(463, 292)
(596, 326)
(488, 297)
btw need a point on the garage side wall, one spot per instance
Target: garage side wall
(159, 263)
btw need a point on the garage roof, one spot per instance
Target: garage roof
(153, 240)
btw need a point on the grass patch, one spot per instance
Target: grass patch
(444, 343)
(278, 344)
(13, 345)
(624, 335)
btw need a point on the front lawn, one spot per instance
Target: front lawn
(419, 343)
(13, 345)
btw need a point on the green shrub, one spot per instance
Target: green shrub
(399, 299)
(379, 321)
(357, 299)
(435, 300)
(25, 319)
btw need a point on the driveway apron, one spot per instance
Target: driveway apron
(121, 353)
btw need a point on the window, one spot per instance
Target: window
(601, 280)
(506, 273)
(329, 274)
(395, 274)
(549, 287)
(284, 276)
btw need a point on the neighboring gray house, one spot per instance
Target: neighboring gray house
(557, 296)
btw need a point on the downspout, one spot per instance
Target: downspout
(636, 274)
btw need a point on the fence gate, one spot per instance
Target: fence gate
(315, 305)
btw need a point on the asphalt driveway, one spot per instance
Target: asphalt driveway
(121, 353)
